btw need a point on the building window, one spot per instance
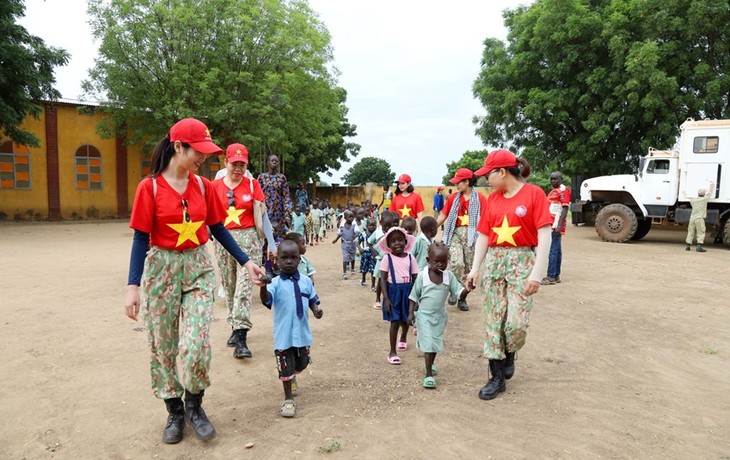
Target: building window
(88, 168)
(14, 166)
(706, 144)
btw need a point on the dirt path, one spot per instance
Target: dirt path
(629, 357)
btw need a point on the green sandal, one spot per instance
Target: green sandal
(434, 371)
(429, 382)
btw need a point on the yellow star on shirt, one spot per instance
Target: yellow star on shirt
(234, 215)
(187, 231)
(505, 232)
(464, 220)
(405, 211)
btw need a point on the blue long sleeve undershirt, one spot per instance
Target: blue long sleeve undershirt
(141, 242)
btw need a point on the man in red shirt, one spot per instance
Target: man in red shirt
(559, 200)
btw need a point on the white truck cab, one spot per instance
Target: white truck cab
(623, 207)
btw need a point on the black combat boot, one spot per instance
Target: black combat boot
(173, 432)
(242, 350)
(195, 416)
(233, 339)
(462, 305)
(509, 365)
(700, 248)
(496, 384)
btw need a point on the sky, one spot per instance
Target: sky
(408, 67)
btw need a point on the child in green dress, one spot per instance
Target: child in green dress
(428, 296)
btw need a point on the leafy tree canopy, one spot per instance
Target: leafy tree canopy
(26, 73)
(369, 169)
(255, 71)
(471, 159)
(588, 85)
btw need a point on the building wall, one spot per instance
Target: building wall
(75, 130)
(33, 203)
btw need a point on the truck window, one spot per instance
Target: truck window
(706, 144)
(658, 167)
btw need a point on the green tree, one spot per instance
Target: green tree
(26, 73)
(588, 85)
(369, 169)
(471, 159)
(255, 71)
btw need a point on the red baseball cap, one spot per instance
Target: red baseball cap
(440, 187)
(404, 178)
(196, 134)
(237, 152)
(461, 174)
(497, 159)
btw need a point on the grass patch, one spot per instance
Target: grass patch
(333, 446)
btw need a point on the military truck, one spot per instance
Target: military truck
(623, 207)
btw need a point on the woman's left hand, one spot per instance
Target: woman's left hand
(531, 287)
(255, 272)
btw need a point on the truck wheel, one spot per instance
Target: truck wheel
(726, 233)
(642, 229)
(616, 223)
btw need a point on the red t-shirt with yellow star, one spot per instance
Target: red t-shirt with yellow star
(240, 215)
(169, 224)
(407, 206)
(462, 215)
(513, 222)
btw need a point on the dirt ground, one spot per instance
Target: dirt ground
(629, 357)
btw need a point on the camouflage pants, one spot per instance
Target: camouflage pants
(696, 226)
(177, 307)
(506, 309)
(461, 255)
(235, 278)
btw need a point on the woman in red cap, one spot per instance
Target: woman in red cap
(406, 202)
(515, 227)
(172, 209)
(238, 191)
(460, 217)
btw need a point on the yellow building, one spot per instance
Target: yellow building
(74, 173)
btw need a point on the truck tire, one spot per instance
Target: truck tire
(726, 233)
(642, 229)
(616, 223)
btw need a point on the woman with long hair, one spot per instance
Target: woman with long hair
(514, 235)
(173, 209)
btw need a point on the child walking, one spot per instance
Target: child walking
(348, 233)
(428, 296)
(397, 273)
(367, 259)
(305, 266)
(387, 220)
(285, 295)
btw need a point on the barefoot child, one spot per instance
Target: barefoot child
(428, 296)
(397, 273)
(292, 336)
(367, 259)
(348, 232)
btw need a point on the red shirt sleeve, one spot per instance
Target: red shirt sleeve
(417, 204)
(216, 212)
(143, 209)
(447, 206)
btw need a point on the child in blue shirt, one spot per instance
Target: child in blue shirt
(305, 266)
(298, 219)
(287, 294)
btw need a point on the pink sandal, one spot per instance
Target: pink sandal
(401, 346)
(395, 360)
